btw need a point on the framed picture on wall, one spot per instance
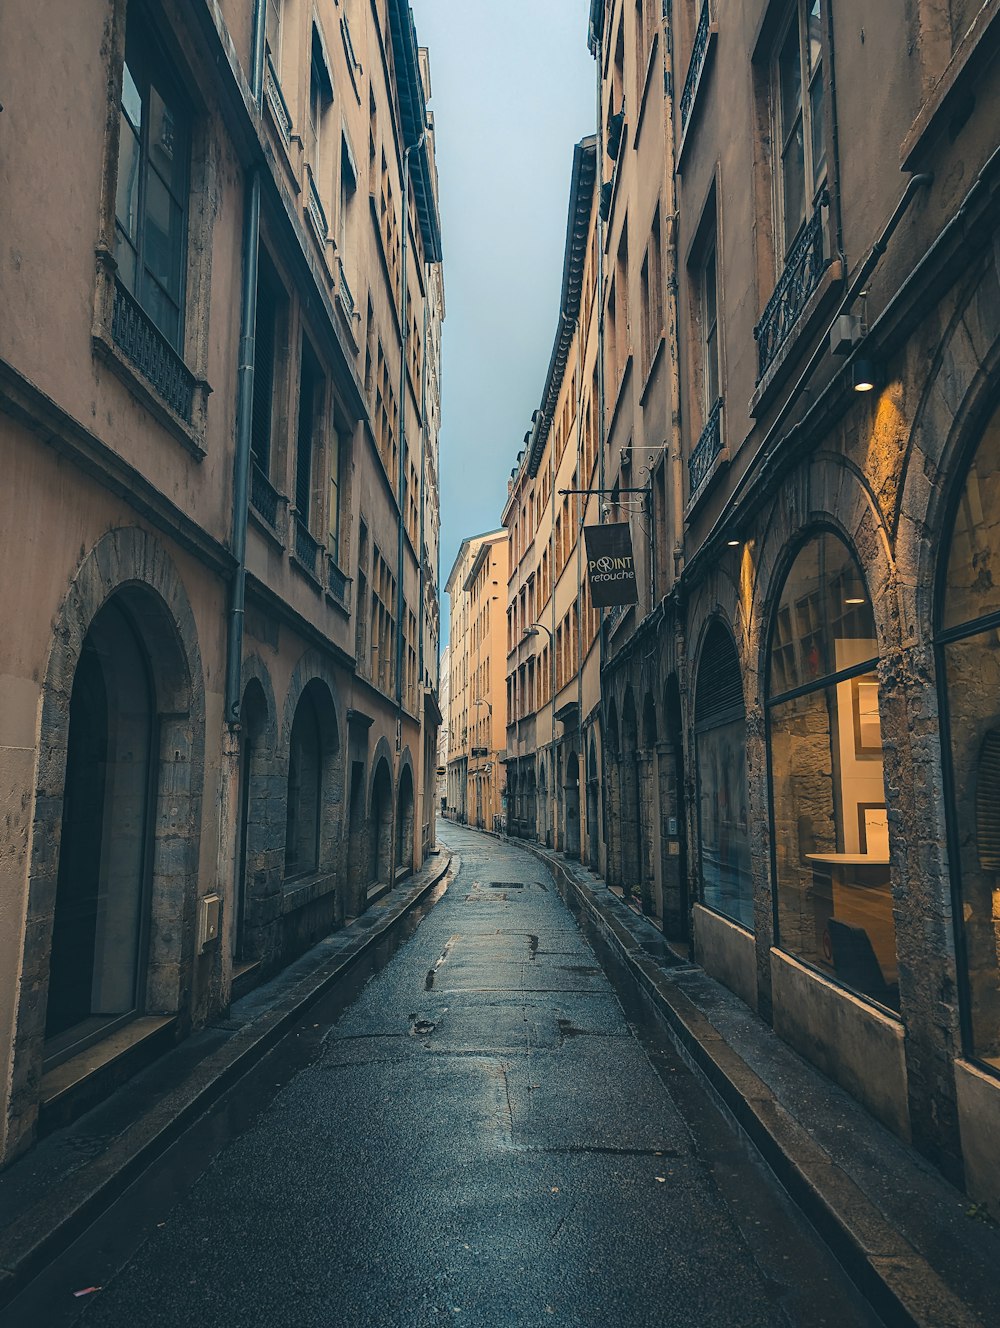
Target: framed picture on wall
(867, 723)
(873, 830)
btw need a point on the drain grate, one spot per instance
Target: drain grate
(506, 885)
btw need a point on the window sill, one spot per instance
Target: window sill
(795, 343)
(973, 52)
(190, 436)
(303, 890)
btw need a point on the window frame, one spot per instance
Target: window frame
(812, 184)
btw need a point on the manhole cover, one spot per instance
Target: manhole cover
(506, 885)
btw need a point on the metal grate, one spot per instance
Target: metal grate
(306, 546)
(506, 885)
(988, 803)
(707, 448)
(699, 52)
(264, 497)
(806, 262)
(719, 691)
(141, 341)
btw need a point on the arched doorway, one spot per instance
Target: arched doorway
(572, 806)
(674, 843)
(544, 830)
(631, 832)
(593, 809)
(613, 800)
(647, 807)
(252, 835)
(404, 821)
(101, 921)
(380, 827)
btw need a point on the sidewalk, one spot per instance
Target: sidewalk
(57, 1189)
(914, 1244)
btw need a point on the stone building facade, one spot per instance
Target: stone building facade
(477, 712)
(219, 420)
(800, 715)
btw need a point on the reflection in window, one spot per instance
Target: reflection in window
(970, 614)
(831, 833)
(720, 735)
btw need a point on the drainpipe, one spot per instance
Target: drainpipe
(582, 761)
(601, 402)
(420, 578)
(401, 470)
(244, 399)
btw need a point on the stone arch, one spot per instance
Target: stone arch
(571, 803)
(261, 815)
(613, 798)
(631, 821)
(130, 566)
(314, 683)
(593, 806)
(675, 810)
(405, 813)
(380, 817)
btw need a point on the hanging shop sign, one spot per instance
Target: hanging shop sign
(610, 565)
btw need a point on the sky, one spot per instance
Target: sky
(513, 89)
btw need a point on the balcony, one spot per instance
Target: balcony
(807, 260)
(144, 345)
(314, 207)
(336, 582)
(307, 548)
(276, 101)
(707, 449)
(344, 291)
(264, 497)
(704, 36)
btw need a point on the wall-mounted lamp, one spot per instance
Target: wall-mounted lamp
(862, 375)
(733, 543)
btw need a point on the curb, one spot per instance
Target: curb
(899, 1283)
(45, 1229)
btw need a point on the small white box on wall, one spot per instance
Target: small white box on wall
(209, 919)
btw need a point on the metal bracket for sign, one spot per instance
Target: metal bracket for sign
(644, 489)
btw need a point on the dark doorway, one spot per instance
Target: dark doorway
(100, 922)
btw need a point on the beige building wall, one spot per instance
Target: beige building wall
(477, 718)
(118, 439)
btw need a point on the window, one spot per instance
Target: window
(797, 101)
(336, 465)
(305, 778)
(830, 825)
(709, 302)
(269, 299)
(310, 394)
(272, 33)
(969, 622)
(652, 295)
(723, 813)
(348, 188)
(320, 101)
(151, 203)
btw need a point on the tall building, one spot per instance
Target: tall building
(477, 712)
(798, 339)
(219, 421)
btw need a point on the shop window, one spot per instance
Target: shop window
(720, 737)
(970, 634)
(831, 832)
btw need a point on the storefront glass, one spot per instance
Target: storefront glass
(831, 833)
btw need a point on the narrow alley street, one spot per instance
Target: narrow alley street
(482, 1137)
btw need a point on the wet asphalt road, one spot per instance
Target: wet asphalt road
(481, 1138)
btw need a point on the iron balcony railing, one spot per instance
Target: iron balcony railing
(317, 215)
(699, 53)
(141, 341)
(264, 497)
(336, 582)
(276, 100)
(346, 298)
(707, 448)
(806, 262)
(307, 547)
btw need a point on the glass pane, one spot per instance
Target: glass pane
(789, 80)
(710, 293)
(793, 185)
(723, 816)
(814, 31)
(831, 837)
(824, 623)
(973, 585)
(126, 260)
(972, 669)
(163, 237)
(127, 197)
(168, 144)
(161, 310)
(131, 99)
(711, 371)
(816, 130)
